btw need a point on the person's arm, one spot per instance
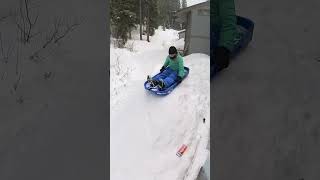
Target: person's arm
(228, 23)
(166, 63)
(181, 68)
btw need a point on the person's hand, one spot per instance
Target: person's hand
(179, 79)
(221, 57)
(162, 69)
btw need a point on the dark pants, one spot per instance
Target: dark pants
(214, 40)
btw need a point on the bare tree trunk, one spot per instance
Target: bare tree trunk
(140, 20)
(148, 32)
(148, 24)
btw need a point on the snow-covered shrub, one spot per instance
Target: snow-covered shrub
(130, 46)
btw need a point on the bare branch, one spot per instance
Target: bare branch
(18, 70)
(51, 38)
(4, 17)
(4, 76)
(20, 28)
(20, 22)
(16, 84)
(28, 19)
(35, 34)
(67, 31)
(57, 23)
(8, 14)
(9, 52)
(25, 23)
(27, 11)
(5, 54)
(2, 51)
(22, 15)
(35, 20)
(17, 62)
(55, 35)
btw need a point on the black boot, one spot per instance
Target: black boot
(221, 58)
(152, 82)
(161, 84)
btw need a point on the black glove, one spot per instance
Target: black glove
(162, 69)
(179, 79)
(221, 57)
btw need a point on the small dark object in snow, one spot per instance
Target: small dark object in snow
(20, 100)
(47, 75)
(15, 86)
(204, 120)
(301, 179)
(318, 59)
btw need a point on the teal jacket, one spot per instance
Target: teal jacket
(175, 64)
(223, 17)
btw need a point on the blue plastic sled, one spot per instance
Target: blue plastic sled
(167, 90)
(245, 27)
(246, 34)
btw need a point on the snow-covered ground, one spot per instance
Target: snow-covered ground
(194, 2)
(147, 130)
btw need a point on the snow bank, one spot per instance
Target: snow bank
(194, 2)
(146, 130)
(120, 70)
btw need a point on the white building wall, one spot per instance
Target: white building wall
(200, 32)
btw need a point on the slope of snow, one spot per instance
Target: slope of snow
(146, 130)
(194, 2)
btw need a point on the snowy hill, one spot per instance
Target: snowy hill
(147, 130)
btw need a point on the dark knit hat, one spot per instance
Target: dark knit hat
(172, 50)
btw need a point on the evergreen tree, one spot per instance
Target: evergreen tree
(152, 17)
(184, 3)
(163, 13)
(174, 6)
(123, 19)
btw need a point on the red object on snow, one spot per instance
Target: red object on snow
(182, 149)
